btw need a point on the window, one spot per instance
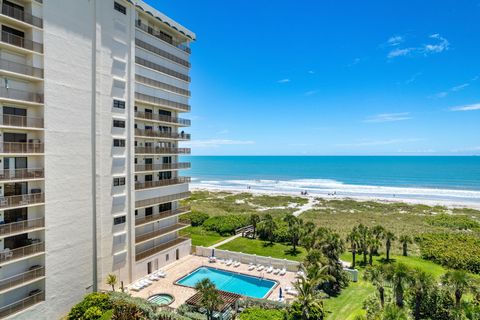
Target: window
(119, 104)
(119, 143)
(148, 211)
(136, 212)
(165, 207)
(119, 220)
(117, 6)
(167, 257)
(119, 123)
(118, 181)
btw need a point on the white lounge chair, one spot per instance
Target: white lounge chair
(229, 262)
(236, 264)
(251, 266)
(153, 277)
(276, 271)
(260, 267)
(134, 287)
(212, 259)
(283, 271)
(160, 274)
(269, 269)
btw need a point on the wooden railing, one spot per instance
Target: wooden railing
(160, 134)
(159, 248)
(15, 280)
(21, 42)
(21, 226)
(159, 150)
(161, 215)
(163, 199)
(162, 166)
(162, 37)
(21, 200)
(20, 121)
(21, 15)
(162, 118)
(161, 183)
(21, 304)
(22, 252)
(21, 174)
(21, 68)
(21, 147)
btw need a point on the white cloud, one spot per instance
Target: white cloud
(395, 40)
(215, 143)
(388, 117)
(311, 92)
(443, 94)
(399, 52)
(311, 72)
(371, 143)
(440, 46)
(469, 107)
(460, 87)
(283, 81)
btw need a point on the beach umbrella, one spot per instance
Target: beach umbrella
(280, 296)
(213, 252)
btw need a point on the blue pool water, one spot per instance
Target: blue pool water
(229, 281)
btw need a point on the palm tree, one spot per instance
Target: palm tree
(378, 232)
(458, 282)
(309, 297)
(295, 226)
(353, 238)
(376, 276)
(399, 276)
(389, 238)
(373, 244)
(254, 220)
(210, 299)
(393, 312)
(405, 240)
(270, 226)
(112, 280)
(420, 282)
(364, 235)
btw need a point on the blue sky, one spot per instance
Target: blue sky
(333, 77)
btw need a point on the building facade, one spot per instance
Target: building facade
(92, 94)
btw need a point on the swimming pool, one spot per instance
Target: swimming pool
(230, 281)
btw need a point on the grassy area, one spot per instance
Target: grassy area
(201, 237)
(350, 302)
(262, 248)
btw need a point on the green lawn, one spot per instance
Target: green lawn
(350, 302)
(262, 248)
(201, 237)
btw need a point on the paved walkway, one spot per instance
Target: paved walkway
(226, 241)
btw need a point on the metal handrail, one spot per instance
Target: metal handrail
(21, 174)
(21, 200)
(162, 37)
(21, 121)
(161, 215)
(162, 199)
(160, 134)
(161, 102)
(161, 183)
(21, 42)
(162, 69)
(161, 85)
(21, 304)
(22, 252)
(17, 279)
(161, 118)
(21, 15)
(160, 232)
(21, 95)
(167, 55)
(21, 147)
(162, 166)
(21, 68)
(21, 226)
(160, 150)
(161, 247)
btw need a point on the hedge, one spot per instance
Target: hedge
(226, 225)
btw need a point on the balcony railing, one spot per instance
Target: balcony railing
(21, 226)
(20, 121)
(21, 200)
(21, 15)
(22, 304)
(161, 85)
(16, 94)
(21, 68)
(21, 147)
(161, 118)
(159, 150)
(161, 215)
(160, 134)
(160, 232)
(162, 36)
(162, 69)
(161, 183)
(162, 53)
(21, 174)
(22, 278)
(162, 102)
(159, 200)
(161, 247)
(7, 255)
(162, 166)
(21, 42)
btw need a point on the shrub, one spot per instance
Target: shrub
(452, 250)
(458, 222)
(280, 234)
(261, 314)
(261, 303)
(225, 225)
(196, 218)
(88, 308)
(131, 304)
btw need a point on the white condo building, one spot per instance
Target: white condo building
(92, 94)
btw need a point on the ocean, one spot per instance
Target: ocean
(440, 178)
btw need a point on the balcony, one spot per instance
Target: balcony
(161, 247)
(163, 199)
(161, 135)
(161, 118)
(160, 216)
(21, 200)
(159, 150)
(21, 227)
(161, 183)
(20, 121)
(21, 278)
(14, 254)
(22, 304)
(162, 53)
(162, 69)
(21, 174)
(21, 15)
(145, 98)
(21, 68)
(161, 85)
(21, 147)
(162, 36)
(21, 42)
(160, 232)
(15, 94)
(162, 166)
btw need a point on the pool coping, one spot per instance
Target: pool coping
(164, 293)
(235, 272)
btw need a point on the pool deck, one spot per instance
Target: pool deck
(182, 267)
